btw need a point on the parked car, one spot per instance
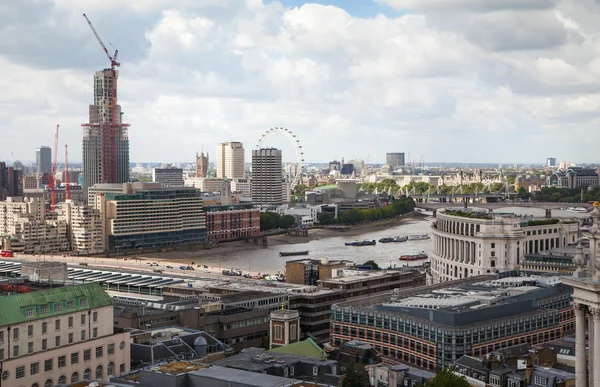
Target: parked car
(169, 267)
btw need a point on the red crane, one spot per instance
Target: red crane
(109, 131)
(67, 178)
(53, 178)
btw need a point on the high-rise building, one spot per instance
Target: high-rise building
(171, 177)
(267, 176)
(551, 162)
(201, 165)
(43, 159)
(231, 161)
(84, 226)
(394, 160)
(105, 138)
(11, 183)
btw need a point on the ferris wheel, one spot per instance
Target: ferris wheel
(299, 152)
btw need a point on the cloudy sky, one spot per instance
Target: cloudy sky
(446, 80)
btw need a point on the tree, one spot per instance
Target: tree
(286, 221)
(325, 218)
(447, 378)
(523, 194)
(269, 220)
(352, 378)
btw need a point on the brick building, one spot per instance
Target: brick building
(232, 222)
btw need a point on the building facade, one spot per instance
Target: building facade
(267, 177)
(551, 162)
(60, 336)
(43, 159)
(105, 137)
(145, 216)
(231, 160)
(201, 165)
(11, 183)
(395, 160)
(170, 177)
(232, 222)
(84, 227)
(574, 177)
(466, 244)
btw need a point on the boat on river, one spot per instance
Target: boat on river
(397, 238)
(292, 253)
(577, 209)
(414, 256)
(366, 242)
(418, 237)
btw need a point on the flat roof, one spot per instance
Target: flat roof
(242, 378)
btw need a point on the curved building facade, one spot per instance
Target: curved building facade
(467, 243)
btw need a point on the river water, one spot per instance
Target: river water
(267, 260)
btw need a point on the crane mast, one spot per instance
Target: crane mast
(53, 178)
(67, 177)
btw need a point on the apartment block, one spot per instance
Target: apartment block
(170, 177)
(267, 177)
(60, 336)
(11, 183)
(232, 222)
(230, 161)
(84, 226)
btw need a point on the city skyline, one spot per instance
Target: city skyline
(197, 74)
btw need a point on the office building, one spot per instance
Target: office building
(105, 137)
(43, 159)
(11, 183)
(84, 227)
(335, 166)
(551, 162)
(395, 160)
(231, 160)
(170, 177)
(267, 177)
(310, 271)
(574, 177)
(59, 336)
(467, 243)
(148, 216)
(202, 165)
(434, 326)
(232, 222)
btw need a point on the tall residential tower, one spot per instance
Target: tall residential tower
(105, 139)
(231, 163)
(267, 177)
(43, 159)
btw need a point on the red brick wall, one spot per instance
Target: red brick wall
(274, 337)
(234, 224)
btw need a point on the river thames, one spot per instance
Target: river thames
(267, 260)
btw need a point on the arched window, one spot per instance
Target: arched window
(74, 377)
(62, 379)
(49, 383)
(99, 372)
(35, 385)
(110, 370)
(87, 374)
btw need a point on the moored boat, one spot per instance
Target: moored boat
(366, 242)
(292, 253)
(400, 238)
(577, 209)
(414, 256)
(418, 237)
(386, 240)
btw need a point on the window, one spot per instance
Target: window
(495, 380)
(110, 370)
(493, 253)
(74, 377)
(87, 354)
(16, 333)
(83, 319)
(70, 338)
(83, 302)
(1, 337)
(540, 381)
(285, 372)
(30, 312)
(34, 368)
(1, 354)
(95, 317)
(122, 368)
(57, 341)
(99, 351)
(493, 245)
(75, 358)
(278, 332)
(291, 370)
(315, 371)
(110, 349)
(99, 372)
(70, 304)
(57, 325)
(29, 330)
(5, 375)
(49, 383)
(57, 307)
(30, 347)
(20, 372)
(44, 344)
(16, 350)
(293, 332)
(44, 309)
(82, 335)
(44, 327)
(87, 374)
(95, 332)
(71, 322)
(62, 361)
(62, 379)
(48, 364)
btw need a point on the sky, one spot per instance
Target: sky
(446, 81)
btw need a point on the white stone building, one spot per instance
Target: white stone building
(84, 226)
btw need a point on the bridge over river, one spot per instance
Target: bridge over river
(462, 202)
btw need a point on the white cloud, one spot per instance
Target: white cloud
(467, 80)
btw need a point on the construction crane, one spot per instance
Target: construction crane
(53, 177)
(67, 178)
(109, 134)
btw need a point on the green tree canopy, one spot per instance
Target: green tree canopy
(352, 378)
(286, 221)
(269, 220)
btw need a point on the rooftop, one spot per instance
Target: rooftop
(243, 378)
(306, 348)
(259, 360)
(178, 367)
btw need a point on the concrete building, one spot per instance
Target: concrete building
(586, 286)
(310, 271)
(105, 138)
(205, 184)
(395, 160)
(551, 162)
(201, 165)
(267, 177)
(386, 375)
(434, 326)
(231, 160)
(574, 177)
(241, 186)
(528, 181)
(308, 215)
(11, 183)
(96, 191)
(43, 159)
(59, 336)
(170, 177)
(232, 222)
(468, 243)
(84, 227)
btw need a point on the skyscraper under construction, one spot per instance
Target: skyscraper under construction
(105, 139)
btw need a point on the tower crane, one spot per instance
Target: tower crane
(53, 178)
(67, 178)
(113, 58)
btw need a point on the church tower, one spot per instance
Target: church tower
(201, 165)
(284, 328)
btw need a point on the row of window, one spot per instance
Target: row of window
(55, 307)
(87, 375)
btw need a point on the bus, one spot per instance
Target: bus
(6, 253)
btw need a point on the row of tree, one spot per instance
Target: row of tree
(422, 187)
(566, 195)
(395, 208)
(272, 220)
